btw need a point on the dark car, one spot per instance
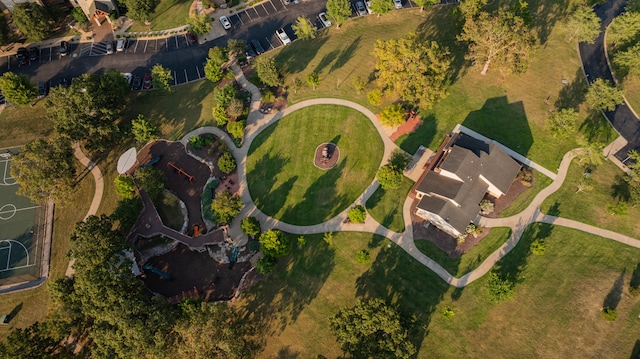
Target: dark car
(146, 83)
(33, 54)
(137, 83)
(192, 38)
(249, 52)
(22, 55)
(257, 46)
(64, 48)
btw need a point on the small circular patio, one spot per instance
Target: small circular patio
(286, 185)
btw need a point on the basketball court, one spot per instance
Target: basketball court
(21, 229)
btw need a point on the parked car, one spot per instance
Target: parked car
(250, 52)
(192, 38)
(121, 45)
(137, 83)
(283, 36)
(146, 83)
(109, 48)
(324, 19)
(397, 4)
(225, 22)
(362, 11)
(34, 53)
(128, 76)
(257, 46)
(22, 56)
(64, 48)
(43, 89)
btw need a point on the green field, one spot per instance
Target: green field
(282, 178)
(385, 206)
(167, 14)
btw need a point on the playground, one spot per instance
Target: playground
(22, 232)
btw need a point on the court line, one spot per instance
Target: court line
(9, 256)
(19, 209)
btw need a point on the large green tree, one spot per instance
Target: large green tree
(603, 95)
(274, 243)
(226, 206)
(583, 25)
(213, 68)
(338, 11)
(564, 123)
(161, 77)
(18, 89)
(267, 71)
(381, 7)
(200, 24)
(151, 180)
(304, 29)
(32, 342)
(144, 129)
(415, 70)
(628, 60)
(624, 28)
(250, 226)
(32, 20)
(87, 110)
(45, 169)
(425, 3)
(501, 39)
(139, 10)
(372, 329)
(393, 115)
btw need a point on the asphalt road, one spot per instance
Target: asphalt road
(595, 66)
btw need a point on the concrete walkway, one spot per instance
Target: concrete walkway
(97, 195)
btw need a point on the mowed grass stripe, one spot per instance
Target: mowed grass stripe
(283, 181)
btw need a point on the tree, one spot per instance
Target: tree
(338, 11)
(304, 29)
(372, 329)
(236, 47)
(274, 243)
(267, 71)
(227, 163)
(313, 80)
(624, 29)
(32, 20)
(219, 114)
(223, 95)
(218, 55)
(498, 289)
(629, 60)
(393, 115)
(236, 129)
(399, 159)
(213, 71)
(633, 6)
(151, 180)
(45, 170)
(32, 342)
(357, 214)
(161, 78)
(381, 7)
(210, 330)
(78, 15)
(564, 123)
(358, 84)
(583, 25)
(125, 187)
(226, 206)
(471, 8)
(602, 95)
(139, 10)
(591, 155)
(250, 226)
(501, 39)
(389, 177)
(126, 214)
(17, 89)
(425, 3)
(412, 69)
(5, 36)
(235, 108)
(144, 130)
(200, 24)
(88, 109)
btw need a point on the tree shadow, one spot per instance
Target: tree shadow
(286, 353)
(345, 55)
(634, 283)
(280, 297)
(260, 179)
(504, 122)
(335, 140)
(572, 94)
(422, 136)
(277, 197)
(326, 60)
(389, 278)
(615, 293)
(294, 59)
(620, 189)
(597, 129)
(545, 15)
(635, 352)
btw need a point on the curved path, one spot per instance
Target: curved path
(257, 122)
(97, 195)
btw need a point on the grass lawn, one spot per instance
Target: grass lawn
(589, 206)
(35, 303)
(521, 202)
(469, 261)
(282, 178)
(385, 206)
(169, 210)
(20, 125)
(560, 291)
(167, 15)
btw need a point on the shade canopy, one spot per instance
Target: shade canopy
(127, 160)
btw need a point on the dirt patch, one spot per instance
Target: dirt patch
(326, 156)
(188, 269)
(409, 126)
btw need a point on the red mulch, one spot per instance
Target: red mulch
(407, 127)
(189, 269)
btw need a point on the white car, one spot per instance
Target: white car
(324, 19)
(397, 4)
(283, 36)
(120, 45)
(361, 9)
(109, 48)
(128, 76)
(225, 22)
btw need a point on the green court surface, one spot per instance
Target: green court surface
(20, 234)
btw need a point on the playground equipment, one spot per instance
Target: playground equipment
(157, 271)
(196, 230)
(151, 163)
(181, 171)
(127, 160)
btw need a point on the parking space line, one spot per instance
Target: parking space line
(185, 76)
(198, 70)
(285, 6)
(176, 38)
(239, 18)
(9, 63)
(247, 12)
(265, 9)
(270, 44)
(146, 42)
(175, 78)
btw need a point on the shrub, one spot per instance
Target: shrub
(125, 187)
(250, 226)
(609, 314)
(393, 115)
(328, 238)
(399, 159)
(358, 84)
(267, 95)
(618, 209)
(219, 114)
(498, 289)
(389, 177)
(274, 243)
(227, 163)
(302, 241)
(265, 264)
(448, 312)
(198, 142)
(375, 97)
(363, 257)
(486, 207)
(357, 214)
(78, 15)
(538, 247)
(236, 129)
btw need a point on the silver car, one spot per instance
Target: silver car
(362, 11)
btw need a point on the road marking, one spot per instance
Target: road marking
(91, 49)
(283, 4)
(238, 16)
(198, 70)
(8, 62)
(247, 12)
(270, 44)
(146, 42)
(185, 75)
(175, 37)
(175, 78)
(136, 47)
(186, 40)
(265, 9)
